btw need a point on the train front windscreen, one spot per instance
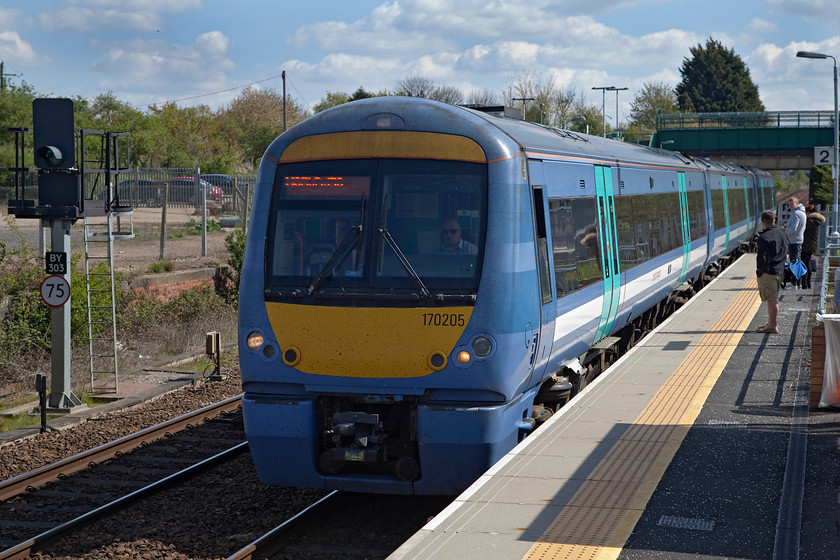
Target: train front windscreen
(376, 230)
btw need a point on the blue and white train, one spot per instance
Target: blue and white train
(422, 283)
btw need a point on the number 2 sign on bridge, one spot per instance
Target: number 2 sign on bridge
(55, 290)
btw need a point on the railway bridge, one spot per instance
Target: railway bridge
(767, 140)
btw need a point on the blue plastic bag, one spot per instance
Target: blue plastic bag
(798, 269)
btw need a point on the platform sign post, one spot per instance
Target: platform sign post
(61, 397)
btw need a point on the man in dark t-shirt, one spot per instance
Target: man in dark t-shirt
(770, 268)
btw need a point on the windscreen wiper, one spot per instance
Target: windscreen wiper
(345, 243)
(355, 231)
(424, 291)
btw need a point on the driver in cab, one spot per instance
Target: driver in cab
(451, 241)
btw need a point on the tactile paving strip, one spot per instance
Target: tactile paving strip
(600, 517)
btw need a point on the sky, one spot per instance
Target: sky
(206, 51)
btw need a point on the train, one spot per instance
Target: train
(423, 284)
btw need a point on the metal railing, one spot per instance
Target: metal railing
(769, 119)
(832, 251)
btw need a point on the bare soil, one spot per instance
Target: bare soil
(131, 256)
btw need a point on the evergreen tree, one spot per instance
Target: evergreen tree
(716, 80)
(822, 185)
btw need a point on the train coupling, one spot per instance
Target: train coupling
(355, 437)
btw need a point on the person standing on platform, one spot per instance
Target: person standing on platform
(770, 268)
(795, 230)
(810, 242)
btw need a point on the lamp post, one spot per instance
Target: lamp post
(604, 105)
(835, 171)
(523, 100)
(665, 143)
(616, 90)
(582, 119)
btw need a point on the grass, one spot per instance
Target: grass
(9, 423)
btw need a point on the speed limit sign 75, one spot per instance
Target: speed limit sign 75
(55, 290)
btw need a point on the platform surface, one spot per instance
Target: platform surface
(697, 444)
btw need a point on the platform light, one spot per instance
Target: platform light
(835, 170)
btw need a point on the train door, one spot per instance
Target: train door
(760, 188)
(543, 337)
(748, 203)
(725, 214)
(686, 228)
(610, 272)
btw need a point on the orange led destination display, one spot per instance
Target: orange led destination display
(326, 185)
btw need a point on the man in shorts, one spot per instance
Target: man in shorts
(770, 268)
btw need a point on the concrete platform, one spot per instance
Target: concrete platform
(697, 444)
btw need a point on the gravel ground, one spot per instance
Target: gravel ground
(28, 454)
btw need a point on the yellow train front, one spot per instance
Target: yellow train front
(369, 360)
(424, 282)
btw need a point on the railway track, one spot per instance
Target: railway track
(76, 490)
(346, 525)
(42, 541)
(20, 484)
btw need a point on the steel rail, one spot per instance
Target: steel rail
(266, 543)
(39, 543)
(21, 483)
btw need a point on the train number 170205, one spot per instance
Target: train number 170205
(444, 319)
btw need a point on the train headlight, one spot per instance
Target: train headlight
(482, 346)
(463, 357)
(255, 340)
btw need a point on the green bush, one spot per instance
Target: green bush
(194, 227)
(161, 266)
(235, 244)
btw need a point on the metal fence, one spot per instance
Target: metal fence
(769, 119)
(183, 187)
(147, 187)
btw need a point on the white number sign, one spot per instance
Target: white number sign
(55, 290)
(823, 155)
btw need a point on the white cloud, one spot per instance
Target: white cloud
(761, 26)
(16, 50)
(160, 66)
(92, 15)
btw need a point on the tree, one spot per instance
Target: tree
(483, 98)
(330, 100)
(654, 96)
(255, 118)
(419, 86)
(716, 80)
(15, 112)
(362, 93)
(822, 185)
(550, 104)
(527, 91)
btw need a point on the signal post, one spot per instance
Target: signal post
(61, 201)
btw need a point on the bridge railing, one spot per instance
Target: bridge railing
(769, 119)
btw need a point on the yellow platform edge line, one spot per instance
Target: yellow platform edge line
(721, 339)
(749, 304)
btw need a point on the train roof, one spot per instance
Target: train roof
(534, 139)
